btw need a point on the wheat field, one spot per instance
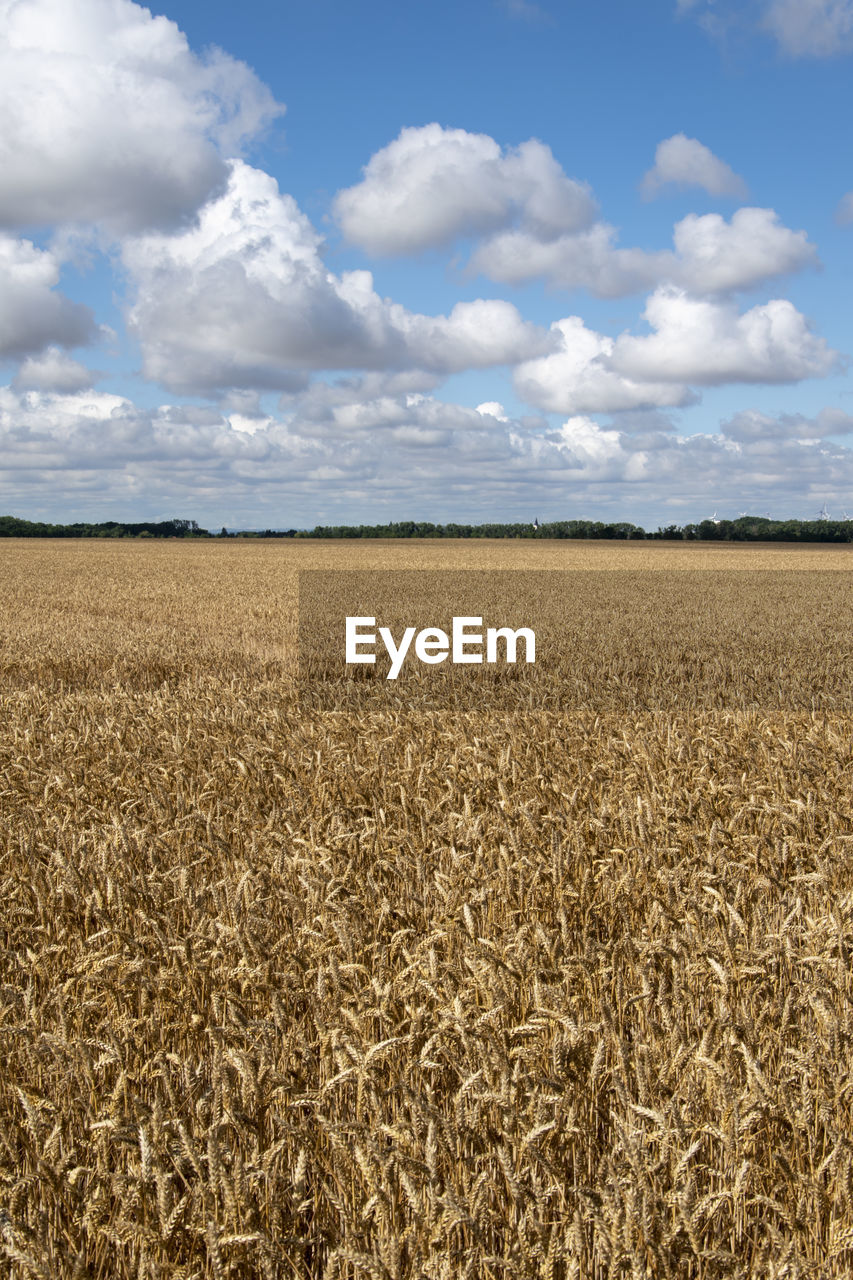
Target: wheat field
(403, 993)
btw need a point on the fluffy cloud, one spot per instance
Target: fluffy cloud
(710, 256)
(32, 313)
(686, 162)
(107, 116)
(811, 28)
(53, 370)
(587, 259)
(414, 417)
(708, 343)
(588, 450)
(753, 427)
(432, 185)
(492, 409)
(694, 342)
(319, 396)
(98, 455)
(377, 406)
(580, 377)
(243, 299)
(715, 256)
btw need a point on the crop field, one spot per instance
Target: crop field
(330, 985)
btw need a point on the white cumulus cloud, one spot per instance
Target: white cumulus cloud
(587, 259)
(694, 342)
(686, 162)
(715, 256)
(710, 255)
(107, 116)
(708, 342)
(492, 409)
(243, 299)
(32, 313)
(53, 370)
(580, 378)
(432, 185)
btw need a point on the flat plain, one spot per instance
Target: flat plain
(398, 992)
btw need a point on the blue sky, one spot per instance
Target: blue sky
(274, 265)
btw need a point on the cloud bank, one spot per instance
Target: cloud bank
(416, 454)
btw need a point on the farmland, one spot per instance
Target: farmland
(547, 990)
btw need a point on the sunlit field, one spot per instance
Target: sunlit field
(354, 990)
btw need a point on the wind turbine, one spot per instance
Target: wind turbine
(823, 514)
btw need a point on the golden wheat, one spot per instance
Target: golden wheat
(411, 993)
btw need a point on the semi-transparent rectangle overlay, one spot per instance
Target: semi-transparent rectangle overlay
(604, 640)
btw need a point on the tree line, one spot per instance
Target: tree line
(14, 527)
(743, 529)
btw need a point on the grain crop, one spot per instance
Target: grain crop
(396, 992)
